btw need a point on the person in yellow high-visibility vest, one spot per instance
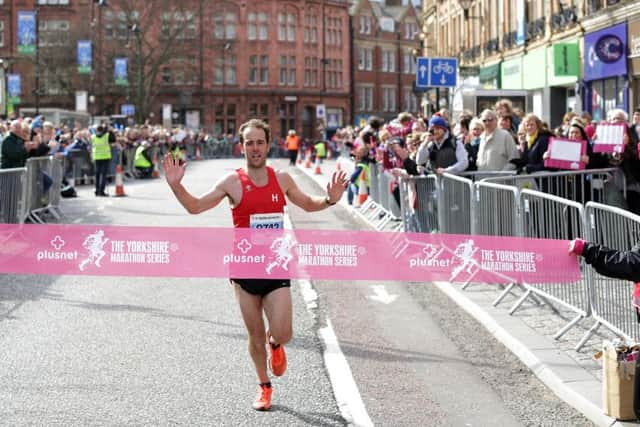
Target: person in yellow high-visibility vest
(321, 150)
(142, 160)
(101, 152)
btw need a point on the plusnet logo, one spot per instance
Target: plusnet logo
(243, 246)
(57, 243)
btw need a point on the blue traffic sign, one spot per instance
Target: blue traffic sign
(443, 72)
(436, 72)
(422, 73)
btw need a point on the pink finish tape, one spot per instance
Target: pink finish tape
(245, 253)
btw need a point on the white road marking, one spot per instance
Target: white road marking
(381, 295)
(344, 386)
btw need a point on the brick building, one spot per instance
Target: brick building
(385, 42)
(215, 63)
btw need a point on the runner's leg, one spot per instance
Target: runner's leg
(277, 306)
(251, 309)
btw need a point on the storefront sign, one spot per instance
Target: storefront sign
(512, 74)
(490, 76)
(535, 62)
(605, 53)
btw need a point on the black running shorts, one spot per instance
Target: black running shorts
(261, 287)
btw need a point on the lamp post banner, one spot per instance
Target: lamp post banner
(100, 250)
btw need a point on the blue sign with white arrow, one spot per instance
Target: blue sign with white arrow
(422, 73)
(443, 72)
(436, 72)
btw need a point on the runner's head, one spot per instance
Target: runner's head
(255, 140)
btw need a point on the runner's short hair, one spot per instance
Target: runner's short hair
(258, 124)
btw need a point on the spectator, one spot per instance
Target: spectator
(505, 107)
(472, 143)
(635, 124)
(293, 145)
(17, 147)
(497, 150)
(535, 145)
(143, 161)
(444, 153)
(506, 122)
(563, 129)
(360, 172)
(101, 153)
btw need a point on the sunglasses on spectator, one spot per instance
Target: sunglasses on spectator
(488, 120)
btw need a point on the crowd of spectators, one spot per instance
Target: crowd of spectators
(501, 139)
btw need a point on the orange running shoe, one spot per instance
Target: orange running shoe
(277, 359)
(263, 398)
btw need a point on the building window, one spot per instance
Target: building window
(53, 33)
(51, 2)
(283, 70)
(253, 69)
(180, 24)
(310, 72)
(410, 30)
(365, 98)
(388, 61)
(286, 27)
(311, 27)
(258, 69)
(224, 69)
(365, 58)
(333, 31)
(287, 70)
(1, 31)
(264, 69)
(389, 99)
(364, 26)
(252, 26)
(409, 65)
(224, 26)
(263, 26)
(410, 102)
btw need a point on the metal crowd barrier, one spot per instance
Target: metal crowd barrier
(545, 216)
(80, 167)
(13, 196)
(611, 299)
(39, 201)
(582, 186)
(419, 204)
(454, 200)
(490, 198)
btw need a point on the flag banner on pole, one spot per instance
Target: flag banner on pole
(102, 250)
(27, 32)
(120, 72)
(85, 56)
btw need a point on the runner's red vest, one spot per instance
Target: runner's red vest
(257, 200)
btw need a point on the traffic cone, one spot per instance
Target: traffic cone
(155, 173)
(362, 191)
(317, 169)
(198, 156)
(300, 157)
(307, 162)
(119, 182)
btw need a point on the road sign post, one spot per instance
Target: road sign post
(436, 72)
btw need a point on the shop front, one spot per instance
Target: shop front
(634, 63)
(511, 73)
(490, 77)
(605, 82)
(563, 72)
(534, 66)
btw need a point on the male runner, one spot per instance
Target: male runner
(256, 192)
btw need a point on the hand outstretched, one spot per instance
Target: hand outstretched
(173, 170)
(336, 186)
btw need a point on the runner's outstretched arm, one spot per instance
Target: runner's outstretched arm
(174, 172)
(335, 188)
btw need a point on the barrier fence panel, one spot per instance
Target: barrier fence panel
(55, 195)
(374, 182)
(13, 203)
(454, 204)
(546, 216)
(581, 186)
(81, 166)
(37, 167)
(419, 203)
(495, 209)
(611, 299)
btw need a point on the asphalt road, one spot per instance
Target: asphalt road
(140, 351)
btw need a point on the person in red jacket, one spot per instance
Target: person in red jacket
(256, 195)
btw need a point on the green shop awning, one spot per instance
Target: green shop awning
(490, 73)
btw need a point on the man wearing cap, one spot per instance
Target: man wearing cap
(497, 148)
(443, 153)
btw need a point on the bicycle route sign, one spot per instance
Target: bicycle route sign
(436, 72)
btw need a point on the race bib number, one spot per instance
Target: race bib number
(273, 221)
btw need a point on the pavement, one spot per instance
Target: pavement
(574, 376)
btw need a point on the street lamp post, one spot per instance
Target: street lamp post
(4, 67)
